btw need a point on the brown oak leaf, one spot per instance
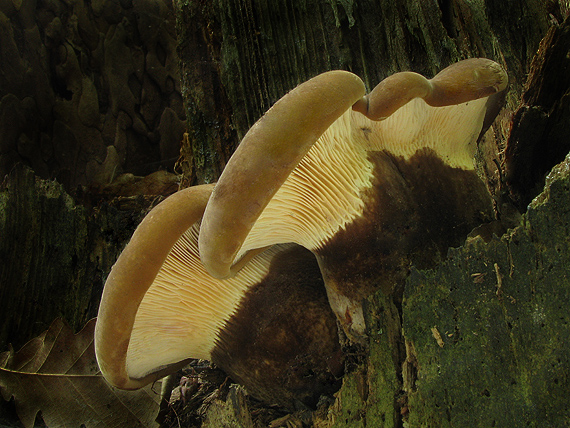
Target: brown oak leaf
(56, 374)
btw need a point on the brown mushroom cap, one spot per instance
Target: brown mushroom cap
(277, 142)
(160, 308)
(261, 200)
(459, 83)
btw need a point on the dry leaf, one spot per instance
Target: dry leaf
(56, 373)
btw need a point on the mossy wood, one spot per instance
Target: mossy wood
(253, 52)
(498, 309)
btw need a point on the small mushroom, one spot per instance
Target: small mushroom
(369, 189)
(269, 327)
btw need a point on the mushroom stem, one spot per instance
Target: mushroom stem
(348, 311)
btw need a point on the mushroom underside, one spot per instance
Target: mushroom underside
(370, 197)
(274, 333)
(269, 327)
(345, 213)
(282, 342)
(333, 185)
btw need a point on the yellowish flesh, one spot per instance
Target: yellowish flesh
(185, 308)
(325, 191)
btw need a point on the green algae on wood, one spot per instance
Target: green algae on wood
(501, 309)
(370, 394)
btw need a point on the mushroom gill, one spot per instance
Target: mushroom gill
(269, 327)
(389, 183)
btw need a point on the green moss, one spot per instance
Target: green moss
(368, 397)
(502, 311)
(351, 403)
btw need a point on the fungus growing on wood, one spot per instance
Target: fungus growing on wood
(368, 189)
(269, 327)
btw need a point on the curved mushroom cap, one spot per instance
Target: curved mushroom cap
(459, 83)
(130, 279)
(276, 143)
(160, 308)
(309, 201)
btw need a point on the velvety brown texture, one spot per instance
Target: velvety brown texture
(282, 342)
(416, 209)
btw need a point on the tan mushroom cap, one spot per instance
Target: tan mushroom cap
(267, 154)
(309, 200)
(133, 274)
(159, 306)
(461, 82)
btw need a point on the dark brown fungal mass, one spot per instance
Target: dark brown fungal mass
(367, 199)
(415, 211)
(282, 342)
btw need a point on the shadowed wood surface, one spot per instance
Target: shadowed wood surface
(237, 58)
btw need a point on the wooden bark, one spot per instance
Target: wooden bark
(88, 90)
(237, 58)
(541, 131)
(502, 356)
(56, 253)
(259, 50)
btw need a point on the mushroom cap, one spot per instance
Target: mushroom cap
(308, 201)
(160, 308)
(277, 142)
(459, 83)
(130, 279)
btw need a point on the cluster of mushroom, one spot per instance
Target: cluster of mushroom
(330, 196)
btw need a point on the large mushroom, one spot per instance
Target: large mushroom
(368, 189)
(269, 327)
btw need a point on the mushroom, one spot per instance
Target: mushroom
(369, 184)
(269, 327)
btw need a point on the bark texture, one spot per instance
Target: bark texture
(541, 129)
(89, 89)
(56, 253)
(258, 50)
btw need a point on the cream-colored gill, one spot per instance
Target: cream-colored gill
(450, 131)
(271, 149)
(321, 195)
(324, 193)
(185, 308)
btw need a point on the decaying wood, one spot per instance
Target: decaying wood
(56, 253)
(237, 58)
(540, 136)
